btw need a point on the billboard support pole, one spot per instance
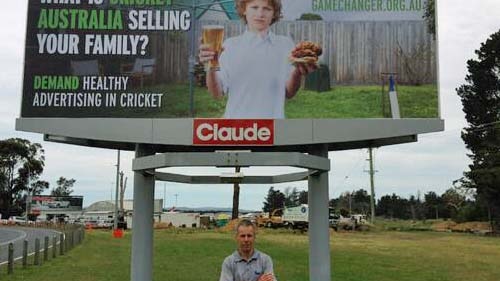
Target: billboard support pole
(142, 231)
(319, 231)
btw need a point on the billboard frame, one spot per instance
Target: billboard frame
(170, 135)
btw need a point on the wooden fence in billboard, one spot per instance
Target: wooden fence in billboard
(355, 52)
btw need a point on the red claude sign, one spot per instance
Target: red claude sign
(233, 132)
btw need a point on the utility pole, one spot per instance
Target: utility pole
(28, 194)
(115, 226)
(350, 203)
(236, 197)
(164, 195)
(176, 195)
(372, 185)
(111, 191)
(123, 187)
(350, 211)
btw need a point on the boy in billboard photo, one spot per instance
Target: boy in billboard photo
(254, 70)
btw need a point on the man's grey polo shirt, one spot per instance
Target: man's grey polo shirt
(235, 268)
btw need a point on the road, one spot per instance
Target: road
(16, 235)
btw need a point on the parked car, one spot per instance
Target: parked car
(58, 204)
(105, 223)
(17, 220)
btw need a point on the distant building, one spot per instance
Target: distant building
(128, 206)
(188, 220)
(106, 209)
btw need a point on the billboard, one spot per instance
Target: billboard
(133, 59)
(47, 203)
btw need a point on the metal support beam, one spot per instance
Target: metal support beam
(319, 232)
(231, 159)
(317, 163)
(300, 176)
(142, 231)
(292, 177)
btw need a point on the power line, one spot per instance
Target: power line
(360, 157)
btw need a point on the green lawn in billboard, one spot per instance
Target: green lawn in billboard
(339, 102)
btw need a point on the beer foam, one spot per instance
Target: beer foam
(212, 27)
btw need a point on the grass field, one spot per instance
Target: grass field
(368, 256)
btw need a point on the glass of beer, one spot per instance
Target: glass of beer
(213, 35)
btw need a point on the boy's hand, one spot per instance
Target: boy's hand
(205, 54)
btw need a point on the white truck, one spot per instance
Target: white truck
(296, 217)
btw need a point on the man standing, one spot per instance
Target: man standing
(247, 263)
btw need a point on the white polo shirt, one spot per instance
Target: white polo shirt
(253, 74)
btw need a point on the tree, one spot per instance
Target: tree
(384, 207)
(303, 197)
(481, 103)
(21, 163)
(39, 186)
(341, 204)
(361, 202)
(454, 201)
(430, 16)
(348, 203)
(432, 204)
(275, 199)
(416, 208)
(63, 187)
(393, 206)
(292, 197)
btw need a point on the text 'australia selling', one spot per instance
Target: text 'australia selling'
(113, 19)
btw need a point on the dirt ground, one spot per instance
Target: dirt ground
(450, 226)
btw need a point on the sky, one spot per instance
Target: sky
(431, 164)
